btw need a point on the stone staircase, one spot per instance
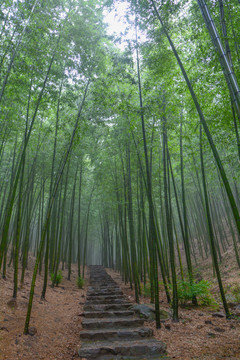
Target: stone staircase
(110, 329)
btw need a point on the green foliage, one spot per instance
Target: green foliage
(110, 124)
(58, 278)
(201, 290)
(235, 290)
(146, 290)
(80, 282)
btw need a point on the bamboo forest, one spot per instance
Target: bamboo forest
(119, 179)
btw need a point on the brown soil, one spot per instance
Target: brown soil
(56, 320)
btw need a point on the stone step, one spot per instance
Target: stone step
(100, 291)
(104, 292)
(102, 278)
(98, 350)
(106, 307)
(116, 334)
(104, 289)
(111, 331)
(101, 285)
(122, 357)
(105, 297)
(102, 281)
(106, 301)
(107, 314)
(95, 289)
(112, 323)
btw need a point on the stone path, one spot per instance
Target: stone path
(110, 328)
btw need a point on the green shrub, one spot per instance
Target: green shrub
(58, 278)
(235, 290)
(147, 290)
(200, 290)
(80, 282)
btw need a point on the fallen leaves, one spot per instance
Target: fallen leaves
(55, 324)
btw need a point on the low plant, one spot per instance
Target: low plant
(57, 280)
(146, 288)
(80, 282)
(200, 290)
(235, 290)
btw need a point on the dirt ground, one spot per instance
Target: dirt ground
(198, 335)
(57, 320)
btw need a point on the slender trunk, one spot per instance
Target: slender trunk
(71, 227)
(13, 188)
(79, 218)
(223, 58)
(86, 231)
(169, 222)
(204, 124)
(131, 228)
(211, 235)
(186, 237)
(152, 229)
(48, 213)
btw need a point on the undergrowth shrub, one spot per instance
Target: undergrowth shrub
(146, 291)
(200, 290)
(58, 279)
(235, 290)
(186, 292)
(80, 282)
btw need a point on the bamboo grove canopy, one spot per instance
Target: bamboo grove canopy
(125, 156)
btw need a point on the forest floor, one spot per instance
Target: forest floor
(198, 335)
(56, 320)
